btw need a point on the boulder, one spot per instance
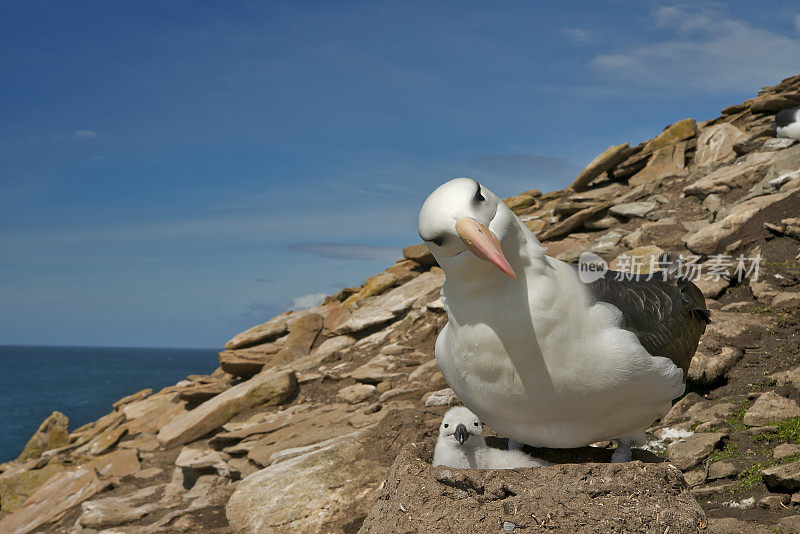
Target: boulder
(333, 345)
(723, 469)
(790, 377)
(378, 369)
(139, 395)
(272, 329)
(666, 161)
(442, 397)
(250, 361)
(17, 483)
(150, 414)
(728, 177)
(629, 497)
(60, 493)
(356, 393)
(782, 477)
(303, 331)
(271, 387)
(374, 285)
(712, 286)
(420, 255)
(680, 131)
(330, 489)
(573, 222)
(715, 144)
(201, 392)
(785, 450)
(742, 219)
(399, 300)
(707, 368)
(689, 452)
(633, 209)
(693, 409)
(734, 328)
(610, 158)
(115, 511)
(52, 433)
(119, 463)
(523, 201)
(770, 408)
(197, 459)
(666, 234)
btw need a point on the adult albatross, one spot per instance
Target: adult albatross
(787, 122)
(540, 356)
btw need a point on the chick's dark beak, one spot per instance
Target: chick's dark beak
(461, 434)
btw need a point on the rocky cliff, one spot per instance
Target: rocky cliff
(323, 420)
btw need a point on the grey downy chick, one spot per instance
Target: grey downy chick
(461, 445)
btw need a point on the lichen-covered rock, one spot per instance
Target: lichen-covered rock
(52, 433)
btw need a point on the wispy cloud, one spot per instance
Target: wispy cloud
(577, 35)
(307, 301)
(85, 134)
(346, 251)
(707, 49)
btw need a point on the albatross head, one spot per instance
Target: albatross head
(462, 221)
(460, 424)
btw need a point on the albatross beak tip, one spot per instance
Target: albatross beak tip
(483, 243)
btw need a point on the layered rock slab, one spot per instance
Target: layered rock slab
(271, 387)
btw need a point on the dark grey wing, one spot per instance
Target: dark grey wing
(668, 316)
(785, 117)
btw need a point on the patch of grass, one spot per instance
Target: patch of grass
(736, 419)
(788, 429)
(778, 266)
(766, 383)
(752, 475)
(730, 450)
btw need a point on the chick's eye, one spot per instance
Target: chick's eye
(475, 423)
(446, 425)
(437, 241)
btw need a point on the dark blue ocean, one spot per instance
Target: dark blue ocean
(81, 382)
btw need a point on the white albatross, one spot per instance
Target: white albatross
(540, 356)
(787, 123)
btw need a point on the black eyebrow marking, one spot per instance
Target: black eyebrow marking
(478, 196)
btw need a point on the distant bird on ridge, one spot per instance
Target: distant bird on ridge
(787, 122)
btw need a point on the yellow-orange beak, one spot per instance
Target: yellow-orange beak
(483, 243)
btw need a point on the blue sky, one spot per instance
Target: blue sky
(174, 172)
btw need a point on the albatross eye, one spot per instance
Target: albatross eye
(475, 423)
(437, 241)
(478, 195)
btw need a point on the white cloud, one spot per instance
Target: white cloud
(307, 301)
(707, 49)
(85, 134)
(577, 35)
